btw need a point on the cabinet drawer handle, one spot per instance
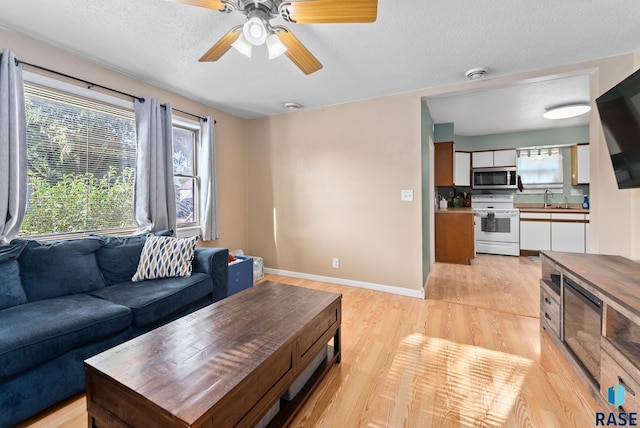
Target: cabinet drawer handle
(546, 299)
(546, 315)
(626, 386)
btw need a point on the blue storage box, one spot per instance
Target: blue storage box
(240, 274)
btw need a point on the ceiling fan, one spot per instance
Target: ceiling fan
(257, 30)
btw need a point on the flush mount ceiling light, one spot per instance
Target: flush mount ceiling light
(476, 73)
(566, 111)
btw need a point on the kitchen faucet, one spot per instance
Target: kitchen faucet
(566, 202)
(547, 198)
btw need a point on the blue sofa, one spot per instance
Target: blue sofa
(62, 302)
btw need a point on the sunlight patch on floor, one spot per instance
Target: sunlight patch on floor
(451, 384)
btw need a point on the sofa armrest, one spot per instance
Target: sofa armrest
(215, 263)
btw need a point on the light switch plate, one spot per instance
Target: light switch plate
(576, 192)
(406, 195)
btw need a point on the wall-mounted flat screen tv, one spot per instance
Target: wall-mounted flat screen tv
(619, 110)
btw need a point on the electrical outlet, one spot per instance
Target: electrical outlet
(336, 263)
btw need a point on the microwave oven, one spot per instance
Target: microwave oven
(494, 178)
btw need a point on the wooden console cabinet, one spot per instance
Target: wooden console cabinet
(615, 281)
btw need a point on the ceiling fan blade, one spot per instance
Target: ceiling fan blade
(222, 46)
(298, 53)
(209, 4)
(333, 11)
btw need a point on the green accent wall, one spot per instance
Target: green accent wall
(442, 131)
(510, 140)
(427, 209)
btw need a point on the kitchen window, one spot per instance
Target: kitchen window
(540, 169)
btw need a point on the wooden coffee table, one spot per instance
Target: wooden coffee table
(224, 365)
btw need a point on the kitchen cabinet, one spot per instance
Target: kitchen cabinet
(535, 231)
(443, 164)
(568, 232)
(555, 231)
(462, 169)
(455, 235)
(491, 158)
(482, 159)
(580, 164)
(504, 158)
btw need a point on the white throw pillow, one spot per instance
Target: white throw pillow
(165, 257)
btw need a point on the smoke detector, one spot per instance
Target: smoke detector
(476, 73)
(292, 106)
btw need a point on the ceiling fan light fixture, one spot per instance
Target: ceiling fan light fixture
(242, 46)
(255, 31)
(567, 111)
(275, 46)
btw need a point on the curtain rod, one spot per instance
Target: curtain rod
(91, 85)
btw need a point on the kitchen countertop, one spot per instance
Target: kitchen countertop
(455, 210)
(528, 208)
(538, 208)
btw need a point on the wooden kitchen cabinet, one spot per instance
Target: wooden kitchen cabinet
(455, 236)
(443, 163)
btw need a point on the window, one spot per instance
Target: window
(81, 159)
(540, 169)
(81, 163)
(185, 178)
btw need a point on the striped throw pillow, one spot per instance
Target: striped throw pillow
(165, 257)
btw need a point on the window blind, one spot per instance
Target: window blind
(81, 164)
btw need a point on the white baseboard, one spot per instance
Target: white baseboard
(361, 284)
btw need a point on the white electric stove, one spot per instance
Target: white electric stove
(497, 224)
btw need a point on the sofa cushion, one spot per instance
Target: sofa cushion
(11, 291)
(60, 268)
(165, 257)
(118, 257)
(37, 332)
(153, 300)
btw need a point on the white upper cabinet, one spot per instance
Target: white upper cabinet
(482, 159)
(579, 164)
(489, 159)
(504, 158)
(462, 169)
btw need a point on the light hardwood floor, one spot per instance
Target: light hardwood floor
(470, 355)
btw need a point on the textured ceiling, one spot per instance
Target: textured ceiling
(414, 44)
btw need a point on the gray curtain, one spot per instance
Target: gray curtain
(155, 197)
(13, 148)
(208, 187)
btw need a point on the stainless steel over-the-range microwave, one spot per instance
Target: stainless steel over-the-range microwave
(494, 178)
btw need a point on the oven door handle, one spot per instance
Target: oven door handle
(497, 214)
